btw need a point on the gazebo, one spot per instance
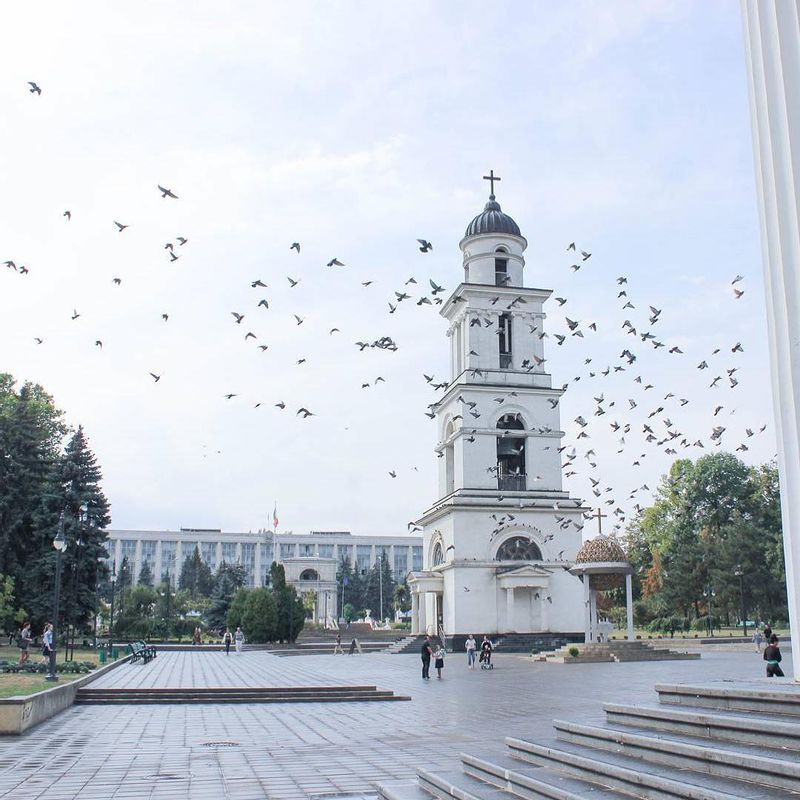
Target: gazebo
(601, 564)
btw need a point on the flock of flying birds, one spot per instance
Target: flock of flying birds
(661, 428)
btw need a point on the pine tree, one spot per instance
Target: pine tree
(74, 489)
(221, 599)
(146, 575)
(196, 576)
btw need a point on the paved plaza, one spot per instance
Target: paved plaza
(317, 750)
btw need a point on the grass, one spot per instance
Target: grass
(35, 654)
(12, 685)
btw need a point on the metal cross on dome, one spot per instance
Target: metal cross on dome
(491, 178)
(599, 516)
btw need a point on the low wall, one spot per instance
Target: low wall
(18, 714)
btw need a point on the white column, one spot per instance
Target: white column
(593, 607)
(257, 566)
(414, 613)
(772, 45)
(510, 609)
(544, 614)
(629, 604)
(587, 610)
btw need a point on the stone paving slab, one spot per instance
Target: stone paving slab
(316, 750)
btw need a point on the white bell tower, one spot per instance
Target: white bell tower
(500, 539)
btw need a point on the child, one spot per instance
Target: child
(439, 660)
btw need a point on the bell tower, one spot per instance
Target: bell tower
(501, 506)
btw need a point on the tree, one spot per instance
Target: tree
(8, 610)
(146, 575)
(402, 597)
(237, 609)
(137, 621)
(291, 615)
(221, 599)
(73, 489)
(259, 617)
(196, 576)
(166, 608)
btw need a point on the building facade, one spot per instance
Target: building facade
(499, 542)
(310, 560)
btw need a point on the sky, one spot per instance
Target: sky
(355, 128)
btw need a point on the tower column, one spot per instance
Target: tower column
(510, 609)
(629, 605)
(414, 613)
(587, 610)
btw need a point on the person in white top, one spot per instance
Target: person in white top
(471, 646)
(239, 639)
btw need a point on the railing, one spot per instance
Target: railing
(505, 360)
(512, 483)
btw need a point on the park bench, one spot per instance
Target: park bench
(140, 650)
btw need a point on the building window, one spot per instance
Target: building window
(267, 554)
(416, 558)
(127, 551)
(309, 575)
(519, 548)
(500, 271)
(307, 551)
(346, 553)
(187, 549)
(438, 555)
(168, 553)
(400, 561)
(229, 552)
(325, 550)
(504, 341)
(148, 556)
(249, 561)
(208, 552)
(363, 557)
(287, 550)
(449, 460)
(511, 475)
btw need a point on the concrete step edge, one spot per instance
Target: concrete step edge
(612, 776)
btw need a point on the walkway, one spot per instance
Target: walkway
(316, 750)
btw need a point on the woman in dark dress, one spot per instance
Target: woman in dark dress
(772, 655)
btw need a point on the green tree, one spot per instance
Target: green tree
(8, 609)
(259, 617)
(237, 609)
(221, 599)
(146, 575)
(138, 619)
(196, 576)
(166, 608)
(291, 615)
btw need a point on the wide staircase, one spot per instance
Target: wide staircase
(288, 694)
(723, 741)
(613, 652)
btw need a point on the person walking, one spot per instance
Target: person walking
(24, 642)
(197, 637)
(767, 633)
(337, 648)
(757, 639)
(426, 652)
(239, 639)
(772, 655)
(47, 643)
(438, 661)
(486, 652)
(227, 639)
(471, 646)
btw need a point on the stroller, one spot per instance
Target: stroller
(485, 658)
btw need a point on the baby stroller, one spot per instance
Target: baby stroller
(485, 659)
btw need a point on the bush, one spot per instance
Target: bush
(574, 651)
(237, 608)
(259, 617)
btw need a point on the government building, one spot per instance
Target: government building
(310, 560)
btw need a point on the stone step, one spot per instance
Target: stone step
(768, 696)
(717, 726)
(458, 784)
(401, 790)
(302, 694)
(685, 753)
(637, 778)
(520, 780)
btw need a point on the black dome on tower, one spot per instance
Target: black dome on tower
(492, 220)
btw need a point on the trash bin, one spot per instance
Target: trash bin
(115, 654)
(103, 656)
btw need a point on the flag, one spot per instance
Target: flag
(345, 581)
(275, 516)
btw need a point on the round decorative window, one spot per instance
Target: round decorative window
(519, 548)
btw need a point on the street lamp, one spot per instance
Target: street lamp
(739, 573)
(111, 612)
(82, 539)
(710, 594)
(380, 581)
(60, 544)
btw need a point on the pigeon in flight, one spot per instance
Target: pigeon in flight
(238, 317)
(181, 240)
(305, 412)
(167, 192)
(292, 282)
(120, 226)
(334, 262)
(425, 245)
(295, 246)
(67, 214)
(34, 88)
(155, 377)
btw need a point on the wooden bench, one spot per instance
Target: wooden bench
(140, 650)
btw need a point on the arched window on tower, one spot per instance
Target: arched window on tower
(309, 575)
(504, 341)
(519, 548)
(500, 267)
(511, 475)
(438, 555)
(449, 460)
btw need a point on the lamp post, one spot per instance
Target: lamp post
(83, 524)
(111, 612)
(709, 593)
(739, 573)
(60, 544)
(380, 581)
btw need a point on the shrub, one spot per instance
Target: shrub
(574, 651)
